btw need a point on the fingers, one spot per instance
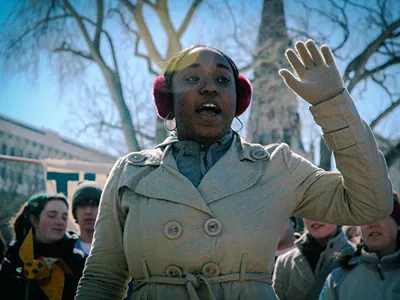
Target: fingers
(295, 62)
(327, 53)
(305, 55)
(315, 53)
(289, 79)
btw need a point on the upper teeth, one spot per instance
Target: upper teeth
(209, 105)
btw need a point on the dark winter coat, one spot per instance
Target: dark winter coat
(13, 283)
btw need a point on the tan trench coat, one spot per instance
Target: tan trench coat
(218, 241)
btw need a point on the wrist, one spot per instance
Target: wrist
(325, 98)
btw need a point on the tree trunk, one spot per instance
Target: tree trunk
(127, 127)
(273, 117)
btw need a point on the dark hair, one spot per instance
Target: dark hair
(171, 66)
(32, 208)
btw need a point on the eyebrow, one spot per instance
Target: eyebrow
(55, 211)
(219, 65)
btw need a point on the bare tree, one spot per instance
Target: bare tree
(67, 29)
(82, 37)
(365, 36)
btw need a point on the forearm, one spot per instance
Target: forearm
(365, 180)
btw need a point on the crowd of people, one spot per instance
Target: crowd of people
(208, 215)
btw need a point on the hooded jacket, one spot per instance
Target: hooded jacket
(368, 277)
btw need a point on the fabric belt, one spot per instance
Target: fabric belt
(193, 282)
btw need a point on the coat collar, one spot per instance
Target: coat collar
(231, 174)
(386, 263)
(335, 244)
(336, 247)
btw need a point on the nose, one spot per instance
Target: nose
(61, 221)
(88, 210)
(209, 87)
(374, 225)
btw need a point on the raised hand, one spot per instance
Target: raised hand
(318, 77)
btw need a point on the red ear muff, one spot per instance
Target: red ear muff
(243, 95)
(161, 98)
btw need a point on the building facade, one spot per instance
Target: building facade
(20, 180)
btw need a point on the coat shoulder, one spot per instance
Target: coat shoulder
(149, 157)
(136, 165)
(288, 257)
(258, 152)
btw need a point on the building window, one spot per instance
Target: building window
(4, 149)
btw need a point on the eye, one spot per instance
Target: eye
(223, 79)
(65, 217)
(192, 79)
(51, 215)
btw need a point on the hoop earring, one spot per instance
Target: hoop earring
(165, 123)
(241, 125)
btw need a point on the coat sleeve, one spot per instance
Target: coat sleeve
(361, 193)
(106, 272)
(278, 278)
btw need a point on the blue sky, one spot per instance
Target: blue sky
(38, 100)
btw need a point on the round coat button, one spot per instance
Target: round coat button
(173, 271)
(212, 227)
(136, 158)
(259, 153)
(210, 269)
(172, 230)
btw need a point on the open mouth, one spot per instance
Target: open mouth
(208, 110)
(316, 226)
(374, 233)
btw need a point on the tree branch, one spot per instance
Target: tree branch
(393, 154)
(370, 73)
(66, 48)
(358, 63)
(152, 5)
(334, 19)
(35, 27)
(235, 36)
(82, 27)
(386, 112)
(136, 11)
(188, 18)
(100, 124)
(137, 42)
(381, 83)
(99, 25)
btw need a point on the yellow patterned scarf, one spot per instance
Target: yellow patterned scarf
(48, 271)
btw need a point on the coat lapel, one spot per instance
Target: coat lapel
(228, 176)
(165, 182)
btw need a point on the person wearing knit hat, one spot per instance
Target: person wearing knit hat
(85, 203)
(200, 215)
(374, 270)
